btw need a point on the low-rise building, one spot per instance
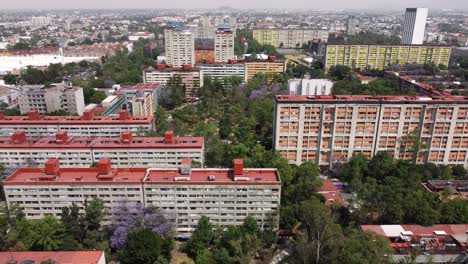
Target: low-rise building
(310, 87)
(126, 151)
(454, 188)
(331, 194)
(436, 244)
(226, 196)
(49, 99)
(88, 125)
(191, 78)
(269, 67)
(220, 71)
(36, 257)
(140, 35)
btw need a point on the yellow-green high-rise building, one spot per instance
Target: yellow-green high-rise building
(359, 56)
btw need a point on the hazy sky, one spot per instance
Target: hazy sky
(303, 4)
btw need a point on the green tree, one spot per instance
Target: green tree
(21, 46)
(366, 248)
(10, 79)
(316, 244)
(33, 76)
(143, 246)
(97, 98)
(44, 235)
(454, 211)
(339, 72)
(70, 218)
(201, 237)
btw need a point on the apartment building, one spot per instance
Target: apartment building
(227, 196)
(359, 56)
(309, 86)
(289, 38)
(224, 44)
(220, 71)
(37, 126)
(126, 151)
(141, 105)
(268, 67)
(49, 99)
(331, 129)
(149, 91)
(191, 78)
(180, 46)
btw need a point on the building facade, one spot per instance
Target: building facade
(180, 46)
(140, 93)
(268, 67)
(363, 57)
(289, 38)
(331, 129)
(414, 26)
(226, 196)
(81, 152)
(89, 257)
(220, 71)
(88, 125)
(191, 78)
(224, 45)
(310, 87)
(50, 99)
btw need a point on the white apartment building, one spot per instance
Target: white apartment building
(80, 152)
(131, 92)
(414, 26)
(224, 45)
(45, 100)
(180, 46)
(142, 105)
(331, 129)
(220, 71)
(226, 196)
(88, 125)
(140, 35)
(309, 86)
(191, 77)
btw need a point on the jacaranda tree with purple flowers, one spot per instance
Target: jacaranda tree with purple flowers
(130, 217)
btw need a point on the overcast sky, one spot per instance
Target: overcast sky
(302, 4)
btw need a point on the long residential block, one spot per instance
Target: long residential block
(331, 129)
(363, 56)
(289, 38)
(80, 152)
(226, 196)
(88, 125)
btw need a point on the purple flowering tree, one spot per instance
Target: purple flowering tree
(130, 216)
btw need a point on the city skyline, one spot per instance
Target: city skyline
(333, 4)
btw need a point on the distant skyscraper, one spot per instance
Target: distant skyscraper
(224, 44)
(352, 26)
(205, 21)
(180, 46)
(414, 26)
